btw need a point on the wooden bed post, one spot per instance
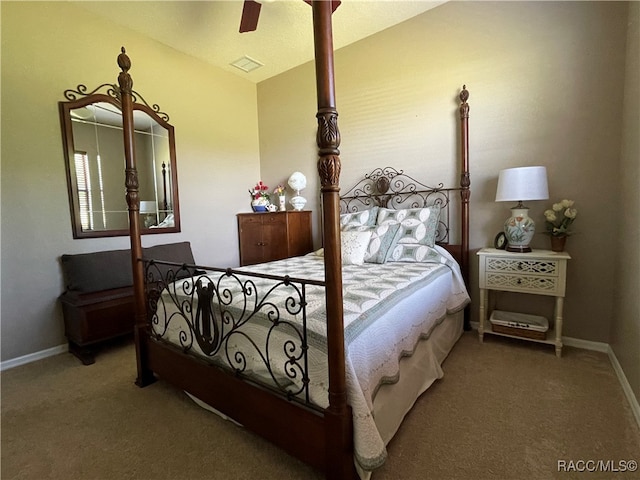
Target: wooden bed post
(339, 423)
(465, 192)
(145, 376)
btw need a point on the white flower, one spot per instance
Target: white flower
(560, 217)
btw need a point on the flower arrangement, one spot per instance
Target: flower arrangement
(559, 218)
(279, 190)
(260, 193)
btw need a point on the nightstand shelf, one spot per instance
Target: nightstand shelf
(550, 340)
(540, 272)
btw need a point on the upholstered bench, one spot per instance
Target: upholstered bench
(98, 302)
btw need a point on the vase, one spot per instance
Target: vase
(557, 243)
(260, 205)
(283, 205)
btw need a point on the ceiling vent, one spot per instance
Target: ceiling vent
(247, 64)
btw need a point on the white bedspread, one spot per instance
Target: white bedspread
(376, 335)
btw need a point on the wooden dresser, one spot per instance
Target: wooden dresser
(264, 237)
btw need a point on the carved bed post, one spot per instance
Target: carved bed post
(339, 424)
(465, 192)
(144, 376)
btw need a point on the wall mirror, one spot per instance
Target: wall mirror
(94, 154)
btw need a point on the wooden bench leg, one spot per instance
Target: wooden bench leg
(85, 354)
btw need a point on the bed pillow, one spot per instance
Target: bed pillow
(364, 218)
(383, 239)
(354, 246)
(179, 252)
(415, 253)
(419, 225)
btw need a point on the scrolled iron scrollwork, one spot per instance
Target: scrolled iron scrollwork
(155, 107)
(391, 188)
(81, 90)
(113, 91)
(241, 321)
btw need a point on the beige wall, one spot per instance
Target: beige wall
(625, 325)
(49, 47)
(546, 88)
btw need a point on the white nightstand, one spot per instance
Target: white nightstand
(540, 272)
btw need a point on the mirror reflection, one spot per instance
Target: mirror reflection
(92, 129)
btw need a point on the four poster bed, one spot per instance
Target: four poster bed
(322, 354)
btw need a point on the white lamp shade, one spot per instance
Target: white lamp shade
(522, 183)
(147, 206)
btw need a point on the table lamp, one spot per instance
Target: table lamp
(148, 210)
(297, 181)
(518, 185)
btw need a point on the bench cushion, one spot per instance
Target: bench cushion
(92, 272)
(97, 271)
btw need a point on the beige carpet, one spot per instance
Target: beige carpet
(504, 410)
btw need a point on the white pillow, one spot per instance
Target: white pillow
(354, 247)
(383, 239)
(419, 225)
(362, 218)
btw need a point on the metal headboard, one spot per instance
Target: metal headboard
(391, 188)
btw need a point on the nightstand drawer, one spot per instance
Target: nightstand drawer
(538, 267)
(543, 285)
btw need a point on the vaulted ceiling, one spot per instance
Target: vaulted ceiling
(209, 30)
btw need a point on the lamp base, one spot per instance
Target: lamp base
(519, 230)
(518, 248)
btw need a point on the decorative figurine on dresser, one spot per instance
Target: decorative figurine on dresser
(539, 272)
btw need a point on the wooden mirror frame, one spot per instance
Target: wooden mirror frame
(79, 98)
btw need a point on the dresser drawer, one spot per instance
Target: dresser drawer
(262, 219)
(273, 219)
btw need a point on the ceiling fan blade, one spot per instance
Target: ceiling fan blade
(334, 4)
(250, 15)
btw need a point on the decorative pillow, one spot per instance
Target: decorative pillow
(415, 253)
(354, 247)
(419, 224)
(363, 218)
(383, 239)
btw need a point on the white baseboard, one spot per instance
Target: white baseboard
(586, 344)
(32, 357)
(604, 348)
(626, 387)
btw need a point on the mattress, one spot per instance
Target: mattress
(389, 310)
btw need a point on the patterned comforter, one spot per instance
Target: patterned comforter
(258, 330)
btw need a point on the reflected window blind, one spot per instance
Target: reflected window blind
(83, 181)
